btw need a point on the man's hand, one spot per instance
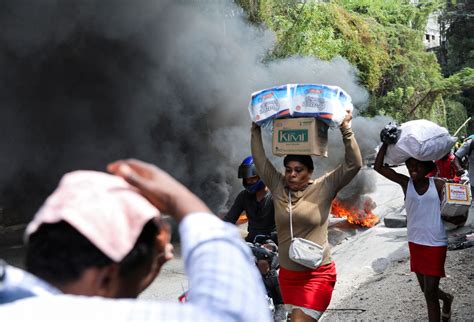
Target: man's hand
(162, 190)
(346, 123)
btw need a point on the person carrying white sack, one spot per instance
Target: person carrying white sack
(307, 291)
(427, 239)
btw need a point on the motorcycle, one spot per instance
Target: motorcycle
(265, 252)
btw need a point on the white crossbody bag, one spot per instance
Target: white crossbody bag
(303, 251)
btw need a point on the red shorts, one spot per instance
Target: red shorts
(427, 260)
(311, 289)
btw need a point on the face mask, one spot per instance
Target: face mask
(253, 188)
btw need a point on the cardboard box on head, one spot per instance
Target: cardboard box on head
(302, 136)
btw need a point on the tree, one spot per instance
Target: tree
(382, 38)
(457, 51)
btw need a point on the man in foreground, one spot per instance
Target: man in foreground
(113, 218)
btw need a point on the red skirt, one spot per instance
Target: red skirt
(427, 260)
(311, 289)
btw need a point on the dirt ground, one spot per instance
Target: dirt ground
(395, 295)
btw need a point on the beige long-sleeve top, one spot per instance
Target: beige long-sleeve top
(311, 206)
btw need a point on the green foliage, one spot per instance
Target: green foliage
(455, 116)
(382, 38)
(458, 22)
(326, 31)
(464, 79)
(251, 7)
(457, 52)
(393, 12)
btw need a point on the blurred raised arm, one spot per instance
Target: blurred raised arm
(265, 169)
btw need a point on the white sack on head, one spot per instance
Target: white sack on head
(422, 140)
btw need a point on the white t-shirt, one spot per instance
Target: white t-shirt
(424, 224)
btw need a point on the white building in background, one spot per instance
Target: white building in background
(431, 38)
(432, 32)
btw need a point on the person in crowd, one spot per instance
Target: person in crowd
(446, 168)
(256, 201)
(427, 239)
(466, 151)
(306, 292)
(97, 242)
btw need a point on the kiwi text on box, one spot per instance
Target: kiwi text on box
(292, 136)
(304, 136)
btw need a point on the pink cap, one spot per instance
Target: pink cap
(104, 208)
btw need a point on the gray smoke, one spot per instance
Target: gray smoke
(83, 83)
(367, 132)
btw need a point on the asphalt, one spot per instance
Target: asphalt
(369, 253)
(359, 253)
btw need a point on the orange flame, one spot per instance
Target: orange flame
(242, 219)
(355, 214)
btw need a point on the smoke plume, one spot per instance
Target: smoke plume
(86, 82)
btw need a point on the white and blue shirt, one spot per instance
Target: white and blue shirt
(223, 279)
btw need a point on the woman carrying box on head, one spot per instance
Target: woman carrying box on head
(427, 238)
(306, 290)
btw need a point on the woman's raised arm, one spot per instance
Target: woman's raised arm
(265, 169)
(388, 172)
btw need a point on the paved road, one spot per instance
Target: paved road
(372, 251)
(389, 199)
(170, 283)
(360, 253)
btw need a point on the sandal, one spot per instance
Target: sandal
(447, 316)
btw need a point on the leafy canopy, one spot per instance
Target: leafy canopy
(382, 38)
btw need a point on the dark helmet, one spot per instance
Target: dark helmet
(247, 169)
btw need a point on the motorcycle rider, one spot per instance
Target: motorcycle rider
(257, 202)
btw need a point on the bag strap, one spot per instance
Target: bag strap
(291, 214)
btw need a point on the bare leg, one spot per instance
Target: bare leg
(447, 301)
(298, 315)
(431, 291)
(443, 296)
(421, 281)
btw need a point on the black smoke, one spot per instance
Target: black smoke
(83, 83)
